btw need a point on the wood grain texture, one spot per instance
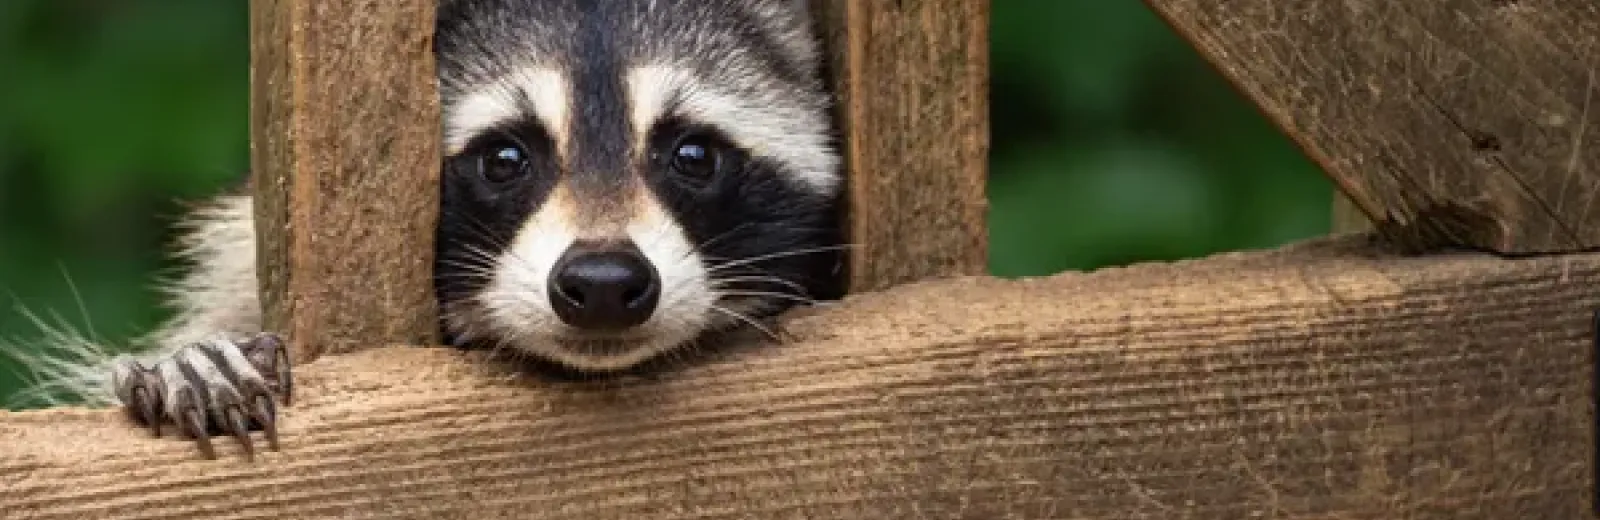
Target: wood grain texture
(912, 78)
(1450, 123)
(345, 156)
(1320, 381)
(1347, 217)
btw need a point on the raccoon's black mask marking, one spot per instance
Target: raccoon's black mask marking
(691, 135)
(621, 176)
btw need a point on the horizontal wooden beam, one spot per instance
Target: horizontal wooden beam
(912, 80)
(1323, 380)
(1448, 123)
(345, 160)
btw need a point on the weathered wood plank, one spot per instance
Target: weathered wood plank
(1347, 217)
(1454, 122)
(344, 132)
(912, 83)
(1322, 381)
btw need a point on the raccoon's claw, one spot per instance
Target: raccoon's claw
(211, 388)
(141, 399)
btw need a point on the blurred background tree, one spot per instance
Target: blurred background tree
(1113, 143)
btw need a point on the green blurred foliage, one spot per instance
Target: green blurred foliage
(1115, 143)
(1112, 143)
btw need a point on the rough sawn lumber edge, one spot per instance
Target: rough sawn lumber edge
(345, 160)
(1321, 380)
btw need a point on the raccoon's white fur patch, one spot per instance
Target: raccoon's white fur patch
(516, 303)
(502, 62)
(687, 296)
(220, 295)
(216, 298)
(763, 122)
(543, 91)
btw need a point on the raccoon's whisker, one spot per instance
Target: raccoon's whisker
(513, 299)
(469, 257)
(464, 257)
(748, 321)
(495, 262)
(466, 262)
(479, 253)
(721, 236)
(472, 266)
(480, 230)
(502, 344)
(772, 226)
(467, 277)
(728, 234)
(772, 256)
(466, 269)
(768, 294)
(512, 338)
(724, 283)
(475, 235)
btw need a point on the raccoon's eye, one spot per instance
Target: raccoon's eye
(502, 162)
(697, 156)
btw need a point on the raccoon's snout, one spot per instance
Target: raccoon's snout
(604, 286)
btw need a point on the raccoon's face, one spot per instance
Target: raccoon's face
(623, 176)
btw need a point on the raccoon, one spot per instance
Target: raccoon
(620, 179)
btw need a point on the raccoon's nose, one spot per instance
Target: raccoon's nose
(604, 286)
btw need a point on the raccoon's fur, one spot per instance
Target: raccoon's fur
(620, 177)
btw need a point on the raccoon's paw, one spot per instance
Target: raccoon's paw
(211, 388)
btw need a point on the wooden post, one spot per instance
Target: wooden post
(344, 132)
(1449, 123)
(912, 82)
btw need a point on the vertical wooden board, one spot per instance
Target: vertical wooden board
(345, 153)
(912, 78)
(1454, 122)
